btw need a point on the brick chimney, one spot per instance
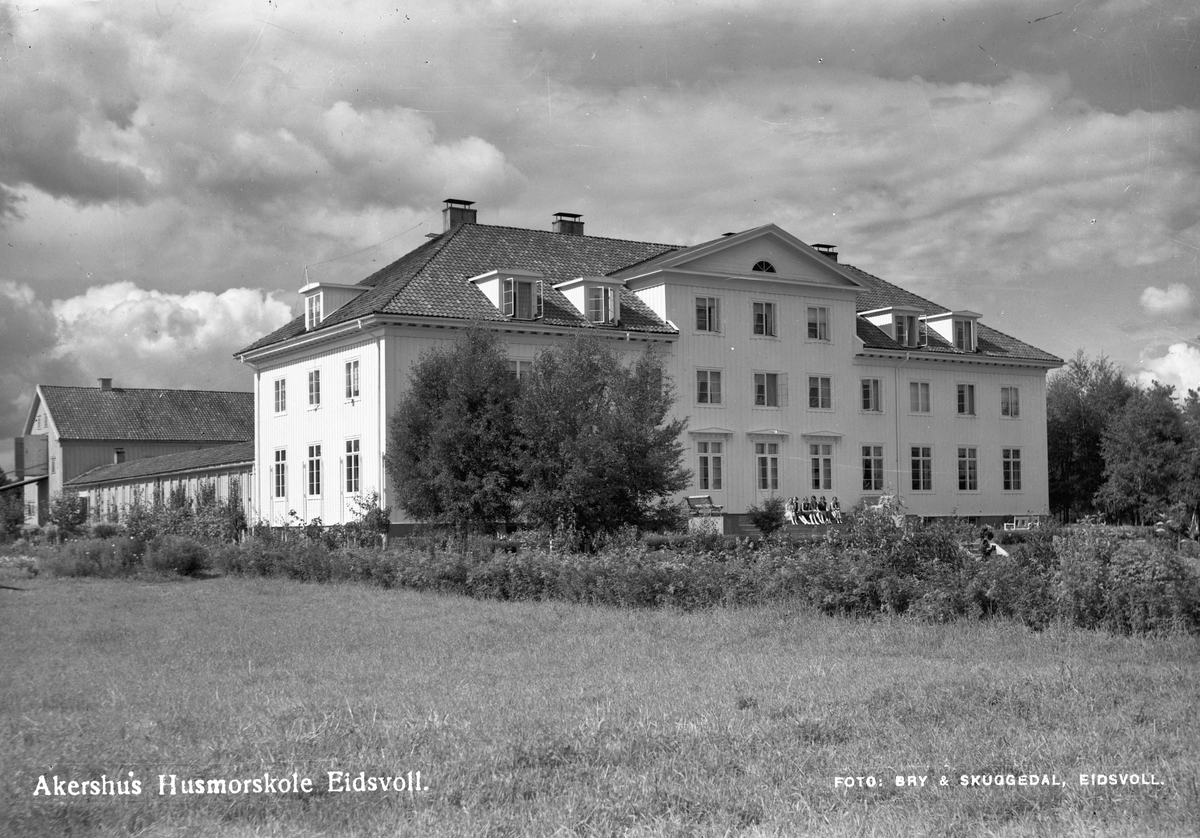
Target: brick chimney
(568, 224)
(826, 250)
(105, 383)
(457, 212)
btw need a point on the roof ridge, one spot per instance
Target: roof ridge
(552, 233)
(142, 389)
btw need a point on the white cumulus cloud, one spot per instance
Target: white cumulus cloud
(150, 338)
(1175, 300)
(1180, 367)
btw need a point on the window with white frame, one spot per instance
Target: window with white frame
(353, 466)
(821, 465)
(872, 468)
(968, 469)
(1011, 462)
(314, 469)
(522, 298)
(710, 457)
(918, 397)
(818, 323)
(764, 320)
(921, 457)
(966, 399)
(766, 455)
(352, 379)
(708, 314)
(314, 388)
(770, 389)
(763, 266)
(964, 335)
(313, 310)
(601, 304)
(280, 395)
(1010, 402)
(820, 392)
(280, 473)
(871, 389)
(905, 329)
(520, 367)
(708, 387)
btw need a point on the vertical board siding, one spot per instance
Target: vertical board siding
(330, 424)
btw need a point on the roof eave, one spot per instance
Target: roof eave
(971, 358)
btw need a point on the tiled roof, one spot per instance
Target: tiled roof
(431, 281)
(879, 293)
(150, 415)
(201, 459)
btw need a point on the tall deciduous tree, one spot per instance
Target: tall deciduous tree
(598, 444)
(451, 441)
(12, 510)
(1145, 449)
(1080, 400)
(1187, 492)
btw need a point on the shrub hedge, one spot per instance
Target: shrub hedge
(1086, 576)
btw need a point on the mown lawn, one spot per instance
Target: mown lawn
(545, 718)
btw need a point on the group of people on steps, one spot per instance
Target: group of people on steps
(812, 511)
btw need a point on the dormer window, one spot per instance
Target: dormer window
(522, 298)
(316, 294)
(901, 322)
(596, 298)
(763, 266)
(964, 335)
(515, 293)
(602, 304)
(313, 310)
(957, 328)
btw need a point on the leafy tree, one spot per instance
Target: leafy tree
(12, 510)
(452, 438)
(598, 447)
(1144, 447)
(67, 512)
(1080, 399)
(1187, 488)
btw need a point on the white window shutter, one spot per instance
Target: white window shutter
(783, 389)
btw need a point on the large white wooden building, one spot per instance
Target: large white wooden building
(799, 375)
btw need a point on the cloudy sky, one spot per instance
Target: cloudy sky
(168, 169)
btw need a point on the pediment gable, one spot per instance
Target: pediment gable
(738, 254)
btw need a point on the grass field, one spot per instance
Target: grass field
(545, 718)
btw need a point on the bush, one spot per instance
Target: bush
(68, 513)
(176, 554)
(105, 529)
(1151, 589)
(92, 557)
(767, 518)
(1084, 577)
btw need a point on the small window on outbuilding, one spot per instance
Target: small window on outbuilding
(118, 455)
(763, 266)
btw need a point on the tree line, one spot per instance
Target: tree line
(1128, 452)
